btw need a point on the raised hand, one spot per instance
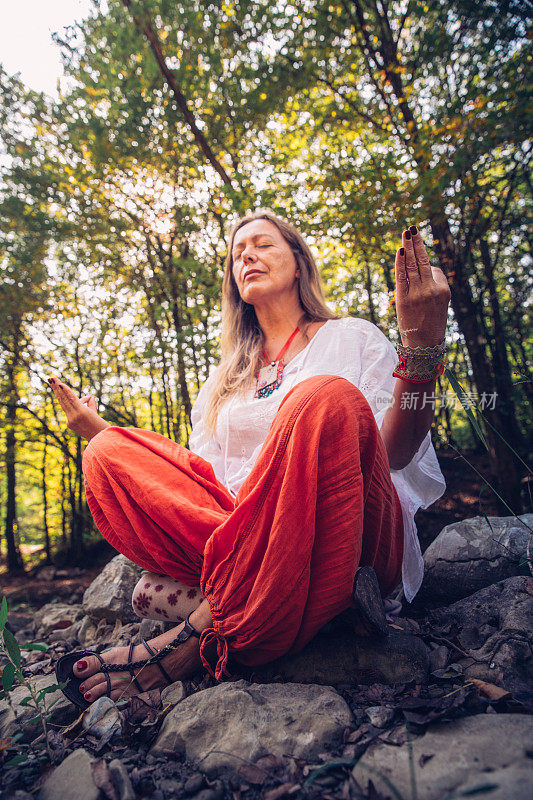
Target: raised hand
(81, 413)
(422, 294)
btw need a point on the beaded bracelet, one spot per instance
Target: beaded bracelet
(420, 364)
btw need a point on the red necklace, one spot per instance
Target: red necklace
(270, 376)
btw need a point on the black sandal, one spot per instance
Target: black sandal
(65, 665)
(367, 606)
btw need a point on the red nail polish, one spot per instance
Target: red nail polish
(413, 229)
(81, 664)
(82, 688)
(402, 251)
(87, 695)
(407, 235)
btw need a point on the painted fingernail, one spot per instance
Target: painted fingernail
(50, 380)
(87, 695)
(402, 251)
(413, 230)
(82, 688)
(81, 664)
(407, 235)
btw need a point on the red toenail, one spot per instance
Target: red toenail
(87, 695)
(81, 664)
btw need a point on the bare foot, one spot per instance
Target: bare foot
(182, 662)
(82, 417)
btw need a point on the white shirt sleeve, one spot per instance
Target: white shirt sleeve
(421, 482)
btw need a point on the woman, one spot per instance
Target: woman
(287, 487)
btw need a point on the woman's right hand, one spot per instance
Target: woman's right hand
(82, 416)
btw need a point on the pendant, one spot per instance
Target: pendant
(269, 378)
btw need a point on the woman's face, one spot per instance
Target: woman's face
(264, 266)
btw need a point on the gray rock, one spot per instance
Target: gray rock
(218, 727)
(379, 716)
(465, 753)
(59, 714)
(85, 631)
(109, 595)
(73, 779)
(173, 694)
(102, 718)
(121, 780)
(55, 616)
(493, 627)
(467, 556)
(194, 783)
(341, 657)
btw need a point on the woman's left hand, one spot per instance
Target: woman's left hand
(422, 294)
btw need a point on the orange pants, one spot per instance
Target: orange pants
(277, 562)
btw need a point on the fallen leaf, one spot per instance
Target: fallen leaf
(102, 778)
(252, 774)
(280, 791)
(490, 690)
(7, 744)
(269, 762)
(73, 730)
(61, 624)
(425, 757)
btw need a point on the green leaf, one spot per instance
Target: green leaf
(40, 646)
(16, 760)
(465, 402)
(12, 647)
(47, 690)
(26, 701)
(8, 676)
(3, 613)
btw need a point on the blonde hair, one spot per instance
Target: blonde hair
(241, 338)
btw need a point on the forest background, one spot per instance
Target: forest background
(353, 118)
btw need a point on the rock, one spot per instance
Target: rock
(194, 783)
(494, 627)
(55, 616)
(109, 595)
(121, 780)
(439, 658)
(220, 726)
(465, 753)
(85, 631)
(46, 573)
(73, 779)
(102, 718)
(467, 556)
(173, 694)
(379, 716)
(59, 714)
(341, 657)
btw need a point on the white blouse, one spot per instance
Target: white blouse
(351, 348)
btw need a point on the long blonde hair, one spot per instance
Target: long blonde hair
(241, 338)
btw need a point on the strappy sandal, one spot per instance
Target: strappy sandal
(367, 610)
(65, 665)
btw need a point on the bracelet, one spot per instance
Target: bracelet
(419, 364)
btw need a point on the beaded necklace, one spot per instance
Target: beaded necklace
(270, 376)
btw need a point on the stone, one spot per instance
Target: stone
(338, 656)
(379, 716)
(73, 779)
(102, 718)
(121, 780)
(465, 753)
(46, 573)
(194, 783)
(493, 627)
(109, 595)
(439, 658)
(85, 631)
(220, 726)
(55, 616)
(467, 556)
(60, 714)
(173, 694)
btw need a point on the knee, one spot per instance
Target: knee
(326, 390)
(141, 598)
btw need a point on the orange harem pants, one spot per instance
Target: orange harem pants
(277, 562)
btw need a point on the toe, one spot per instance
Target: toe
(86, 666)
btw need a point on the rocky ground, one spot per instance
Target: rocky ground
(441, 708)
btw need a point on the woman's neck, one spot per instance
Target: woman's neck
(278, 323)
